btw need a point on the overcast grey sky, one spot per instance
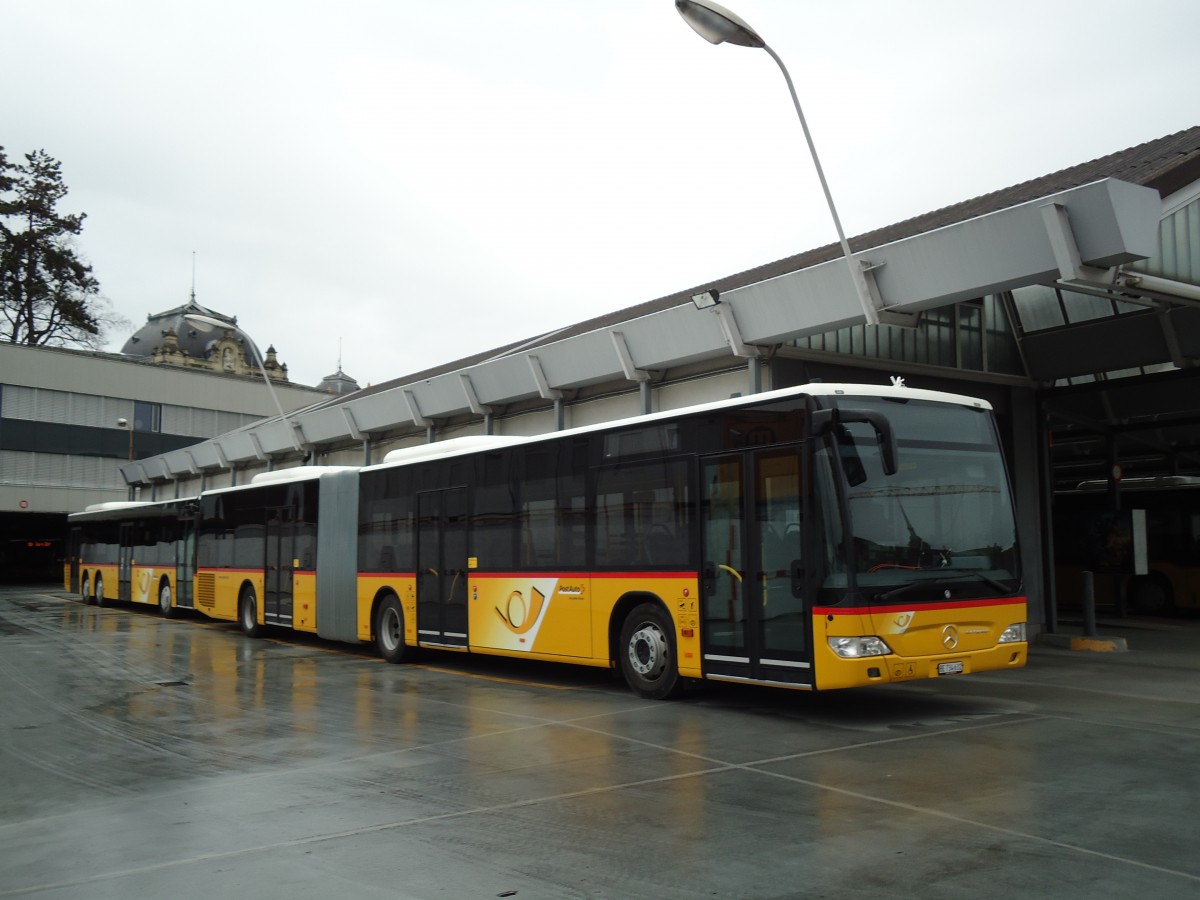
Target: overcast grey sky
(427, 180)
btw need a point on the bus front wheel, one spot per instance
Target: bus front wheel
(647, 653)
(389, 631)
(84, 593)
(164, 601)
(248, 613)
(99, 590)
(1151, 595)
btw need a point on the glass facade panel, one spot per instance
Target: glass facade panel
(1038, 308)
(970, 337)
(952, 337)
(1085, 308)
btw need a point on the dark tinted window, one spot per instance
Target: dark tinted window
(385, 521)
(642, 514)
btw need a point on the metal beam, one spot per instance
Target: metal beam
(473, 403)
(414, 411)
(351, 425)
(539, 377)
(632, 372)
(1066, 251)
(733, 334)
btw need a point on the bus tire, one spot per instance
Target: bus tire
(647, 653)
(1151, 595)
(389, 631)
(248, 613)
(165, 606)
(84, 585)
(99, 589)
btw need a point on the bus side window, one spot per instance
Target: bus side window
(662, 544)
(387, 558)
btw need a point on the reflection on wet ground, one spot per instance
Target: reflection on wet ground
(143, 757)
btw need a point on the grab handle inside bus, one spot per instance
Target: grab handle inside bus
(826, 420)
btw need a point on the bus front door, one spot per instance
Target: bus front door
(756, 623)
(442, 567)
(185, 563)
(280, 565)
(74, 548)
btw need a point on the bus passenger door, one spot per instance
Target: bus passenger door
(125, 563)
(185, 563)
(755, 617)
(442, 567)
(74, 548)
(280, 550)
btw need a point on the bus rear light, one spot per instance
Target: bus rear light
(1013, 634)
(858, 647)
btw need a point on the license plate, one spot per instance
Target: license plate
(950, 668)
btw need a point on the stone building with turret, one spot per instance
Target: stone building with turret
(170, 338)
(69, 419)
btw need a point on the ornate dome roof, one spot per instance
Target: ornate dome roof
(192, 337)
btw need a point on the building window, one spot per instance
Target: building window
(147, 416)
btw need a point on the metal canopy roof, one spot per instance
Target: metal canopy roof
(1076, 233)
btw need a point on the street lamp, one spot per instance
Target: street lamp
(208, 323)
(717, 25)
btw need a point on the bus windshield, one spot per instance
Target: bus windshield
(941, 527)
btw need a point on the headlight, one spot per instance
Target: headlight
(1013, 634)
(856, 647)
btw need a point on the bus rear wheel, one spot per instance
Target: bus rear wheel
(248, 613)
(389, 631)
(84, 593)
(647, 653)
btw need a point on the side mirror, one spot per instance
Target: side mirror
(824, 421)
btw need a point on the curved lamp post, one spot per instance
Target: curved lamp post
(717, 25)
(208, 323)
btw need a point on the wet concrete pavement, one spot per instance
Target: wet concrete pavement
(141, 757)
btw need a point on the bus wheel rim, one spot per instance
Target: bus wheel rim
(648, 651)
(389, 628)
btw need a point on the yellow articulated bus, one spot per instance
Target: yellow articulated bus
(818, 537)
(133, 553)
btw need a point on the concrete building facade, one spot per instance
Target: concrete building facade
(69, 420)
